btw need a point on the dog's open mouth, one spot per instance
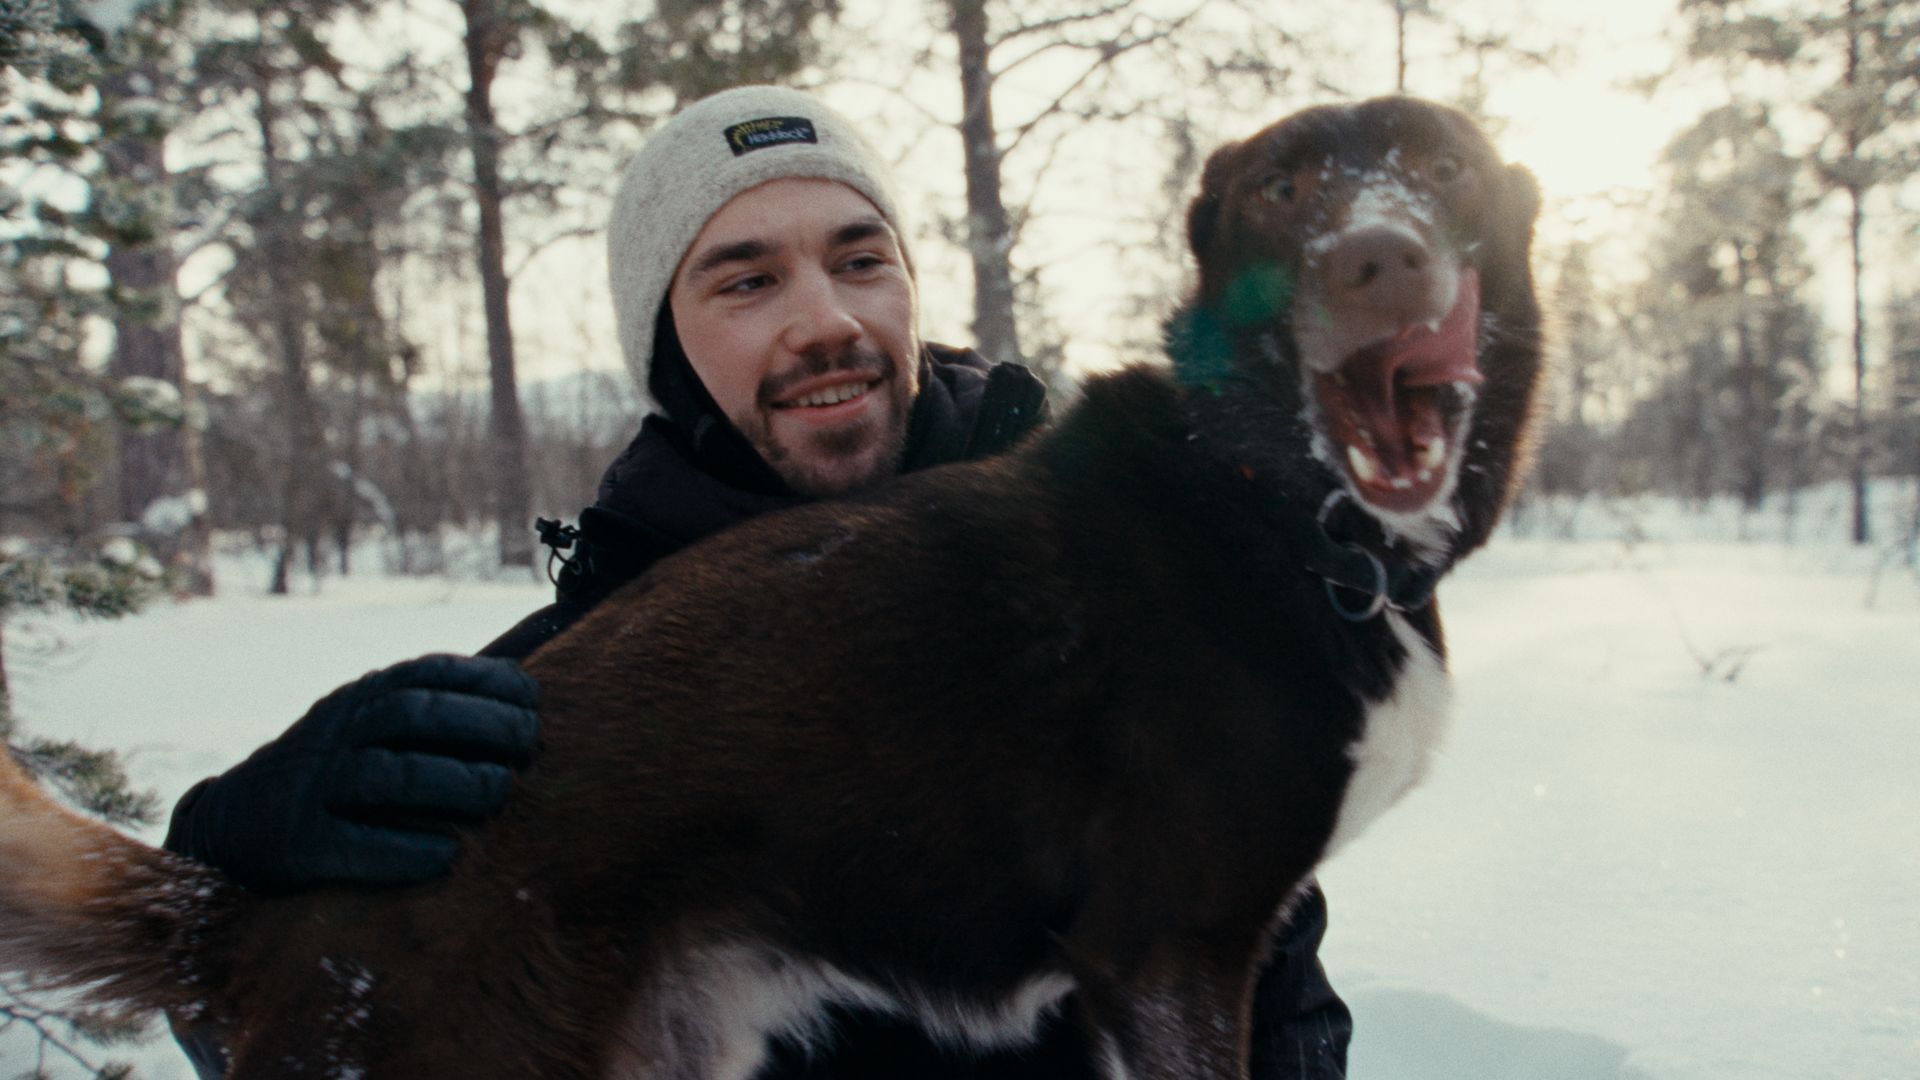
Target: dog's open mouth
(1394, 409)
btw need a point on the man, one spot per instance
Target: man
(767, 305)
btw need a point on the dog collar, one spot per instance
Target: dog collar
(1360, 582)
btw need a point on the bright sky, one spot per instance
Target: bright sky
(1581, 127)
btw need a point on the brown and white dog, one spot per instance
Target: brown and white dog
(1077, 719)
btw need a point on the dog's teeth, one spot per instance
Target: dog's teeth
(1362, 465)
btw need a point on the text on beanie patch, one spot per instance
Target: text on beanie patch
(771, 131)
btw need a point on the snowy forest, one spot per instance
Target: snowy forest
(303, 294)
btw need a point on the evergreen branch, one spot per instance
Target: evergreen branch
(92, 779)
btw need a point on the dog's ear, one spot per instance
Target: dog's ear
(1520, 201)
(1204, 213)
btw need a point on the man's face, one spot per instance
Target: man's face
(795, 308)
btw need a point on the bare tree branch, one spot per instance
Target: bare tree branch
(1109, 53)
(575, 233)
(1043, 49)
(900, 96)
(1043, 25)
(16, 1010)
(1024, 213)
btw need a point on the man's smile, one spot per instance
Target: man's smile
(825, 393)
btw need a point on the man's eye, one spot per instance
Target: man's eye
(750, 283)
(858, 263)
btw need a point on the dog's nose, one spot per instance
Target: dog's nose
(1384, 270)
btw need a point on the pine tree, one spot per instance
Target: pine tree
(1903, 399)
(1852, 66)
(161, 482)
(308, 242)
(57, 421)
(1727, 291)
(1571, 460)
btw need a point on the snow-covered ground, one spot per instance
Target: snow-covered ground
(1675, 834)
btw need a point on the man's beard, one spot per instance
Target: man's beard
(881, 439)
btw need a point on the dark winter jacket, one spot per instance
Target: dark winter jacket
(683, 480)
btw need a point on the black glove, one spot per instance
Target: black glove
(366, 788)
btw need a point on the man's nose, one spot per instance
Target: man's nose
(818, 316)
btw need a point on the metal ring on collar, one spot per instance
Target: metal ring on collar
(1329, 505)
(1376, 605)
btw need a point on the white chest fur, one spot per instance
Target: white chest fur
(1400, 736)
(710, 1013)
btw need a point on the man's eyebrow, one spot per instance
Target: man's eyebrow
(739, 251)
(856, 231)
(748, 250)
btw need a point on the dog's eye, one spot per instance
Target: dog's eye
(1280, 189)
(1445, 169)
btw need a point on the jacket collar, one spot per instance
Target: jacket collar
(690, 473)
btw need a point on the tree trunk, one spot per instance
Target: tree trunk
(348, 494)
(305, 442)
(507, 431)
(1400, 46)
(1754, 428)
(1913, 531)
(1856, 196)
(989, 231)
(1862, 532)
(163, 464)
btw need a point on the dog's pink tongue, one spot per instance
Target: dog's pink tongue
(1374, 381)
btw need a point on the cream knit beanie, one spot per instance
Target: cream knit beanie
(711, 151)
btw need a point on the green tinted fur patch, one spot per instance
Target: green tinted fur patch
(1200, 347)
(1257, 294)
(1200, 339)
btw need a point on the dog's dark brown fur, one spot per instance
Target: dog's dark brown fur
(1074, 713)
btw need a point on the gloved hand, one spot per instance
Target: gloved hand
(366, 788)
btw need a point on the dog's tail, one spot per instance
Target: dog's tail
(85, 908)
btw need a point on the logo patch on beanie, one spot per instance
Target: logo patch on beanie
(772, 131)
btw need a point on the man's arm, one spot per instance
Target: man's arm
(365, 789)
(368, 786)
(1300, 1026)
